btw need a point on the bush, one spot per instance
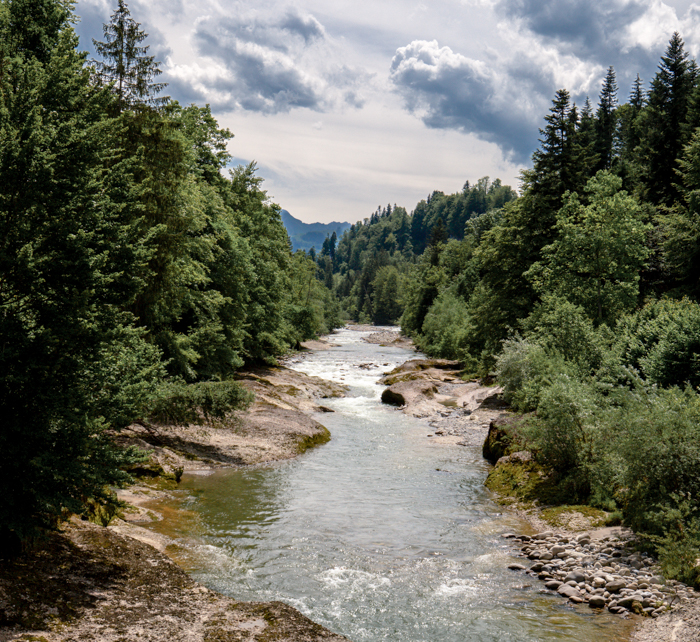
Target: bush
(662, 342)
(180, 403)
(563, 434)
(679, 547)
(526, 369)
(563, 327)
(447, 328)
(657, 434)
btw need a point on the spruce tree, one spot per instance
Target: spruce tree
(71, 364)
(606, 122)
(663, 135)
(126, 62)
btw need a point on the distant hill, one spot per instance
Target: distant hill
(304, 236)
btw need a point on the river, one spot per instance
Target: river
(379, 534)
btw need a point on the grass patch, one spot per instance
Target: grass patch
(557, 515)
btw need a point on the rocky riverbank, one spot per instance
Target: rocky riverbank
(603, 568)
(275, 427)
(88, 582)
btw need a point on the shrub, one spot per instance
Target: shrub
(662, 342)
(180, 403)
(446, 328)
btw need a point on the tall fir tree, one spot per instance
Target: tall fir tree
(606, 122)
(71, 363)
(663, 132)
(125, 61)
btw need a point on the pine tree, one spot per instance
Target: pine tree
(663, 135)
(557, 164)
(126, 62)
(606, 122)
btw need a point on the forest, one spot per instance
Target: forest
(579, 295)
(138, 270)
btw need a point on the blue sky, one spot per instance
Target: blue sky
(349, 105)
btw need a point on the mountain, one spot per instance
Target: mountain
(304, 236)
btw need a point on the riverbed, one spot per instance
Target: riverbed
(381, 534)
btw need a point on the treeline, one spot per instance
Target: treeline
(372, 262)
(136, 277)
(581, 295)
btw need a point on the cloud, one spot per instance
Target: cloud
(267, 64)
(584, 27)
(630, 35)
(501, 94)
(450, 91)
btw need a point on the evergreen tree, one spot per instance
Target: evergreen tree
(587, 138)
(606, 122)
(126, 62)
(557, 166)
(663, 135)
(72, 366)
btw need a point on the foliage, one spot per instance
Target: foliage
(126, 66)
(181, 404)
(598, 252)
(135, 278)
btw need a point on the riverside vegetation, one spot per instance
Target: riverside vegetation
(136, 278)
(580, 295)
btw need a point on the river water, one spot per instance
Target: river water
(378, 535)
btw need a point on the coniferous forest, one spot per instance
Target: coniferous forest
(138, 273)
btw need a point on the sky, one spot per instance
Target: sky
(349, 105)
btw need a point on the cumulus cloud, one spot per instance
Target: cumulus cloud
(543, 45)
(267, 64)
(501, 102)
(630, 35)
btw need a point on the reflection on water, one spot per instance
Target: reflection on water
(379, 534)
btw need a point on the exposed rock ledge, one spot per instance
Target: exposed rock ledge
(432, 387)
(91, 583)
(277, 426)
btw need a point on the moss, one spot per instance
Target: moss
(525, 482)
(555, 515)
(306, 442)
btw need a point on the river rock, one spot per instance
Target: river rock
(615, 586)
(516, 567)
(553, 585)
(596, 602)
(568, 591)
(576, 576)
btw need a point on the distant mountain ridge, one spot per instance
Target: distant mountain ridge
(304, 236)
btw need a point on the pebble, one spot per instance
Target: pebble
(605, 573)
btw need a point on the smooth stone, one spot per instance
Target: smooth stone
(568, 591)
(626, 602)
(553, 585)
(516, 567)
(576, 576)
(597, 602)
(615, 586)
